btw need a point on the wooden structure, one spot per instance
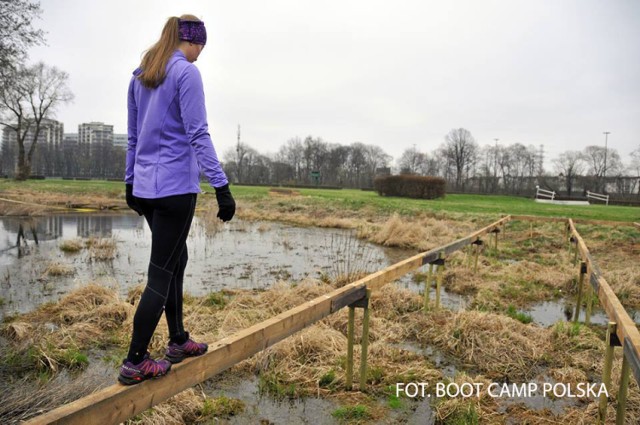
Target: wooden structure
(118, 403)
(544, 193)
(598, 197)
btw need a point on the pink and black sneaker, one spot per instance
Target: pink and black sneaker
(178, 352)
(148, 368)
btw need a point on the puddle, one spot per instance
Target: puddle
(547, 313)
(537, 401)
(450, 300)
(263, 408)
(439, 359)
(240, 255)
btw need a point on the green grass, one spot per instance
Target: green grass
(352, 199)
(465, 414)
(518, 315)
(222, 406)
(466, 204)
(351, 413)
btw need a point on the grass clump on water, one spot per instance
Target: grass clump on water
(71, 245)
(351, 414)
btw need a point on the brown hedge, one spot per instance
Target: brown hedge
(410, 186)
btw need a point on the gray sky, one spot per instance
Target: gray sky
(393, 74)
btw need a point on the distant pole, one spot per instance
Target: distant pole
(604, 172)
(495, 164)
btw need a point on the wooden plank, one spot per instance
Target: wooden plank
(538, 218)
(118, 403)
(634, 361)
(391, 273)
(602, 222)
(637, 225)
(580, 220)
(626, 329)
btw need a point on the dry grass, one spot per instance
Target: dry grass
(101, 249)
(482, 345)
(312, 362)
(41, 202)
(71, 245)
(58, 335)
(496, 345)
(58, 269)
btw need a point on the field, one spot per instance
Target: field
(489, 339)
(345, 199)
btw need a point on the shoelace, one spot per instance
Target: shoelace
(150, 367)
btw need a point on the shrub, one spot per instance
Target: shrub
(410, 186)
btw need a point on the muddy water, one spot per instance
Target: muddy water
(235, 255)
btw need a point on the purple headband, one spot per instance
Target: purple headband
(193, 31)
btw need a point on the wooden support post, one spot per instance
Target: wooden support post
(587, 316)
(478, 244)
(571, 243)
(583, 268)
(427, 288)
(365, 344)
(622, 391)
(575, 254)
(349, 379)
(531, 230)
(440, 275)
(612, 341)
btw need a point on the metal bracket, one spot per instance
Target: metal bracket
(583, 268)
(361, 303)
(438, 262)
(478, 242)
(614, 341)
(495, 230)
(634, 362)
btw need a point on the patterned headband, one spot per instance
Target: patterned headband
(193, 31)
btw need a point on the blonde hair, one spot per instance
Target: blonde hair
(154, 60)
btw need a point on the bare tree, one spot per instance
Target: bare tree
(375, 158)
(595, 156)
(292, 153)
(461, 152)
(17, 34)
(32, 96)
(634, 167)
(413, 161)
(569, 165)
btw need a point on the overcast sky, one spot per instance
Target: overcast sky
(393, 74)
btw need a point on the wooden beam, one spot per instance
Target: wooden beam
(376, 280)
(117, 403)
(637, 225)
(626, 329)
(563, 219)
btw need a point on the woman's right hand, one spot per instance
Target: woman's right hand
(226, 203)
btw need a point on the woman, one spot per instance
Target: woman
(169, 145)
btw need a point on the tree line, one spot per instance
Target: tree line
(460, 160)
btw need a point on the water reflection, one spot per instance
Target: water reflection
(238, 255)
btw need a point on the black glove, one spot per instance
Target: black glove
(131, 200)
(226, 204)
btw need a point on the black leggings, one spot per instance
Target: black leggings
(169, 220)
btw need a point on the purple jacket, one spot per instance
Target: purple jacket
(169, 142)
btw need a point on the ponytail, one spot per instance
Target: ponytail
(154, 60)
